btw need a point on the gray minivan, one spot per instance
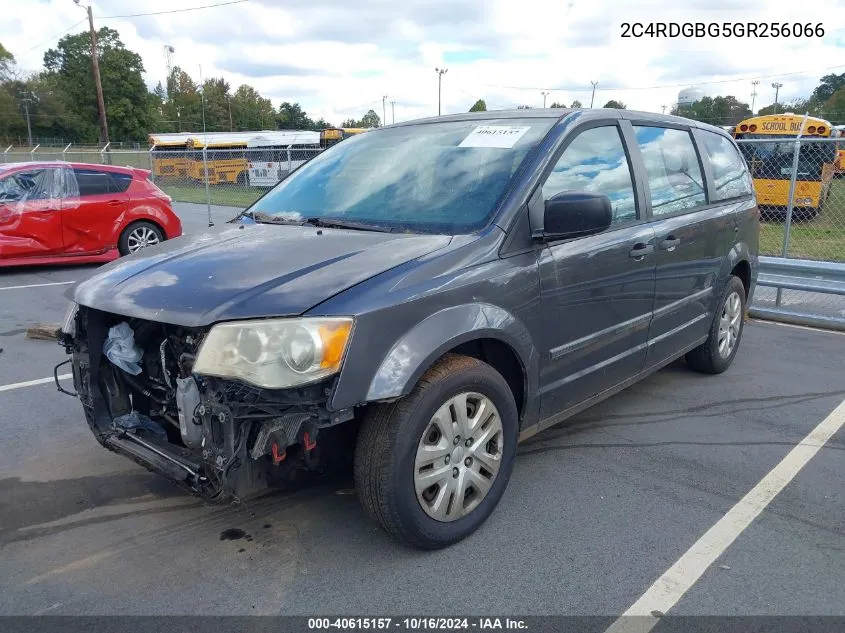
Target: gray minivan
(418, 299)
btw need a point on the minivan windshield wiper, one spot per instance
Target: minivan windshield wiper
(329, 223)
(335, 223)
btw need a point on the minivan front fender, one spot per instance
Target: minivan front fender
(417, 350)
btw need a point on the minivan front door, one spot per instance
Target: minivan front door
(597, 292)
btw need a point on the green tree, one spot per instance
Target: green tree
(828, 85)
(614, 104)
(371, 119)
(215, 92)
(251, 111)
(7, 64)
(834, 109)
(183, 109)
(479, 106)
(126, 97)
(291, 116)
(719, 110)
(576, 104)
(557, 104)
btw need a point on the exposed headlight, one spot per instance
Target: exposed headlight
(69, 323)
(275, 353)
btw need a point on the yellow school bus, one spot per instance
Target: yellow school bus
(169, 155)
(225, 157)
(839, 132)
(769, 154)
(333, 135)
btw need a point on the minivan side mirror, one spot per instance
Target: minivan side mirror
(571, 214)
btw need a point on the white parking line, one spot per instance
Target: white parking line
(54, 283)
(672, 585)
(32, 383)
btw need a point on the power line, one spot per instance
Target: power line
(683, 85)
(140, 15)
(47, 41)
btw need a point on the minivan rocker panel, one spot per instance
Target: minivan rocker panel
(444, 289)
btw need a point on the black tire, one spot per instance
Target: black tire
(123, 242)
(387, 444)
(706, 358)
(242, 179)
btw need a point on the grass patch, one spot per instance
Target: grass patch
(822, 238)
(225, 195)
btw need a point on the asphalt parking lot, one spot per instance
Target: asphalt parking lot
(597, 509)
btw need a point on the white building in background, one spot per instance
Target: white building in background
(688, 96)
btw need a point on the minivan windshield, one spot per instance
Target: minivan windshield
(430, 178)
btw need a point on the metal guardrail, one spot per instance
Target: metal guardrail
(802, 275)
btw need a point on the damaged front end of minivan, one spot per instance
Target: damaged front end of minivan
(223, 410)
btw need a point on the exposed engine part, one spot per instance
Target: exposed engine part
(187, 401)
(284, 431)
(165, 374)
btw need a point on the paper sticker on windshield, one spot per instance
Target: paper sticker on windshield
(502, 136)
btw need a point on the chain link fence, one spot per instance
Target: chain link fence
(800, 186)
(219, 177)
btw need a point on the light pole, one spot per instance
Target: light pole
(753, 94)
(545, 94)
(101, 105)
(777, 86)
(384, 110)
(229, 101)
(592, 98)
(440, 72)
(393, 111)
(26, 97)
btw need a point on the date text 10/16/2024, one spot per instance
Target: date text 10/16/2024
(417, 624)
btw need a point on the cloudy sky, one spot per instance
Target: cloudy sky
(338, 58)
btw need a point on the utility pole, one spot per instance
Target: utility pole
(179, 117)
(777, 86)
(384, 110)
(393, 110)
(753, 94)
(592, 98)
(663, 109)
(545, 94)
(26, 97)
(440, 72)
(229, 101)
(101, 105)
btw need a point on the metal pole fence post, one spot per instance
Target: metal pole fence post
(64, 152)
(207, 190)
(5, 157)
(796, 152)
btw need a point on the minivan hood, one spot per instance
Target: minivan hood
(246, 271)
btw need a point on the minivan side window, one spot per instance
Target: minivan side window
(674, 175)
(595, 162)
(730, 175)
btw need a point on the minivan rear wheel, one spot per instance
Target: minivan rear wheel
(431, 467)
(716, 354)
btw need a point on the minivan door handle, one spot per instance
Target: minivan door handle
(640, 250)
(669, 243)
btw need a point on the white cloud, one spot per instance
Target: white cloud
(339, 57)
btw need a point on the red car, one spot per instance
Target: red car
(57, 213)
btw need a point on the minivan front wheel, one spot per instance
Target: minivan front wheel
(431, 467)
(716, 354)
